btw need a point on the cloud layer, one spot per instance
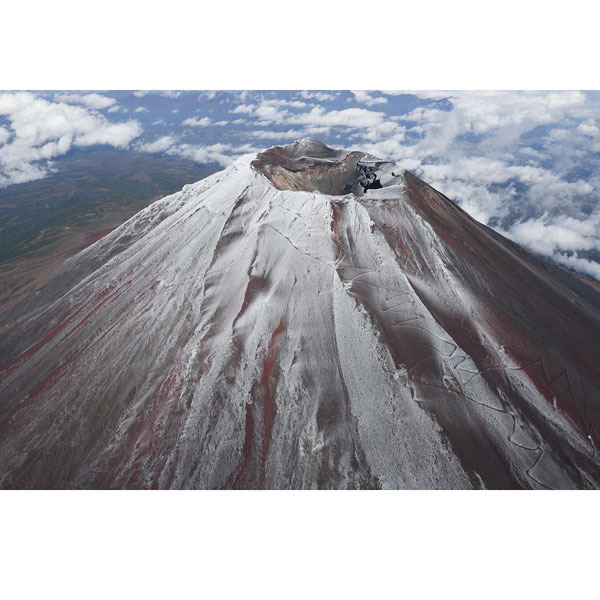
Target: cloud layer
(38, 130)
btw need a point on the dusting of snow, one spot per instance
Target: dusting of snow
(238, 335)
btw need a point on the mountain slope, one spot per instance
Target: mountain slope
(306, 318)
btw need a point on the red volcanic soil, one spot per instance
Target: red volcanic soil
(32, 274)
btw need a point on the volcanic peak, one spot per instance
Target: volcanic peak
(311, 166)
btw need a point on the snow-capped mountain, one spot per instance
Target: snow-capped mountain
(306, 318)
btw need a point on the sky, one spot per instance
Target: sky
(525, 163)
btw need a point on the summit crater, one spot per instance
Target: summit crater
(311, 166)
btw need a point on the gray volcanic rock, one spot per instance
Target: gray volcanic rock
(306, 318)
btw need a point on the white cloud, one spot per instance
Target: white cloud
(170, 94)
(512, 112)
(275, 111)
(562, 238)
(349, 118)
(278, 135)
(370, 124)
(113, 134)
(244, 108)
(583, 265)
(290, 103)
(195, 122)
(366, 98)
(269, 113)
(42, 130)
(589, 128)
(439, 152)
(140, 93)
(488, 171)
(223, 154)
(162, 144)
(140, 109)
(319, 96)
(549, 235)
(4, 135)
(95, 101)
